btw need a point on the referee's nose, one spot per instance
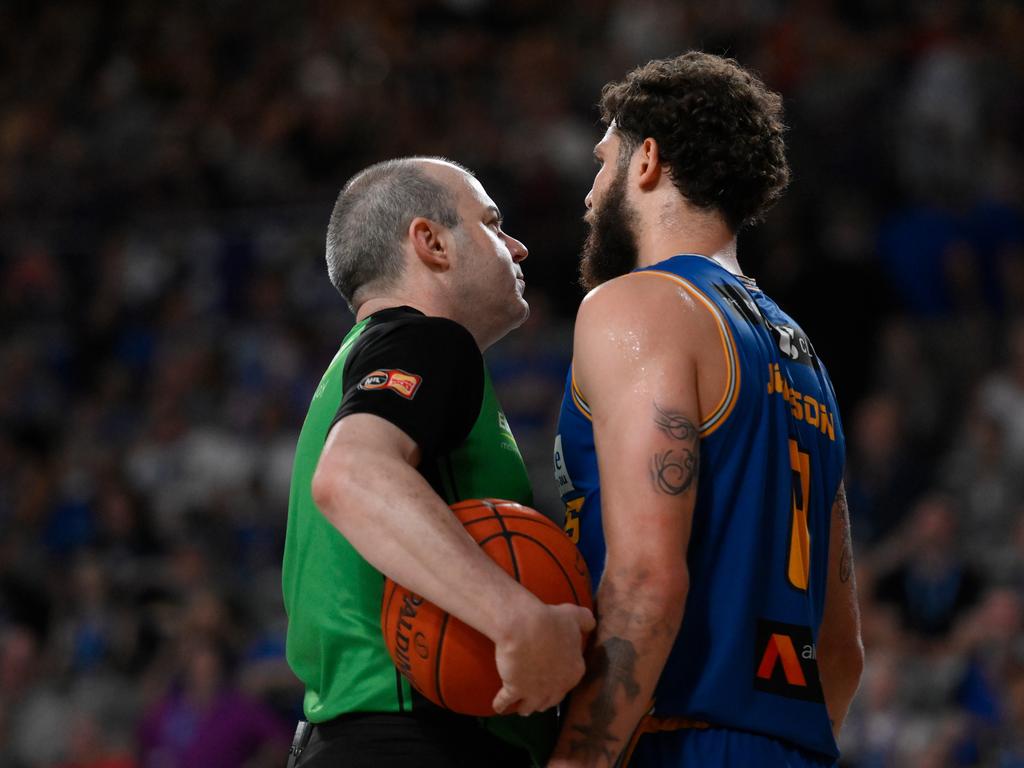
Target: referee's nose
(516, 247)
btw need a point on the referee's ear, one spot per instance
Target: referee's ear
(430, 243)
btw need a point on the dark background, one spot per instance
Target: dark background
(166, 175)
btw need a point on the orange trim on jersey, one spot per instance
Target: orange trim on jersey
(651, 723)
(577, 396)
(730, 397)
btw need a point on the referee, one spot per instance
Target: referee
(405, 422)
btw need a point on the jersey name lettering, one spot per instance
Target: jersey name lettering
(804, 407)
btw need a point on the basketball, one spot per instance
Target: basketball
(446, 660)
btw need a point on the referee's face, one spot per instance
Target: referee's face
(490, 281)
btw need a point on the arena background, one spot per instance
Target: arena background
(166, 175)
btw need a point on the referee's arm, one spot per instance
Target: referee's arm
(368, 487)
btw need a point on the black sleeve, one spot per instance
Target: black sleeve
(423, 374)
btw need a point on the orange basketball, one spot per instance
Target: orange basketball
(449, 662)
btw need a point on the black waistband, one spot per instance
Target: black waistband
(434, 716)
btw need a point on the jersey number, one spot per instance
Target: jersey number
(572, 519)
(800, 536)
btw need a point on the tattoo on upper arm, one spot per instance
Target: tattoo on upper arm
(674, 471)
(842, 512)
(611, 666)
(673, 474)
(674, 424)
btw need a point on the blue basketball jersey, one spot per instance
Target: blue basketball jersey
(771, 460)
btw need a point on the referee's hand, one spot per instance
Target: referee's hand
(541, 658)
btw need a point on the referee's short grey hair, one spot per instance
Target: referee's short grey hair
(371, 218)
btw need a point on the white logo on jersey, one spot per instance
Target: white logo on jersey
(561, 473)
(791, 345)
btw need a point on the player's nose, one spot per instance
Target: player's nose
(588, 201)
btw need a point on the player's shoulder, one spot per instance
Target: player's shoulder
(639, 299)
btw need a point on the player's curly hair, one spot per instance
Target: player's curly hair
(719, 131)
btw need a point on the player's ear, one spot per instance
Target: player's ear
(650, 164)
(430, 243)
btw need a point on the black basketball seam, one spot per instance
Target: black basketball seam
(505, 534)
(390, 597)
(440, 655)
(565, 573)
(541, 521)
(542, 545)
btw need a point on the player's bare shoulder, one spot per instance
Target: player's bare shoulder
(642, 325)
(642, 308)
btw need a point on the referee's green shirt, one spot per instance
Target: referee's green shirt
(427, 376)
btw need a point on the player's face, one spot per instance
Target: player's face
(491, 277)
(610, 249)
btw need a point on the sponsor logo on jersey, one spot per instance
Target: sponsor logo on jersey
(740, 302)
(561, 473)
(400, 382)
(786, 661)
(794, 344)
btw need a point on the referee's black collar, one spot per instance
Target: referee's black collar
(404, 309)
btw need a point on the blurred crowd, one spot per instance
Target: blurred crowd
(166, 175)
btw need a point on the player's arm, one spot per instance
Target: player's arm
(840, 650)
(368, 486)
(641, 384)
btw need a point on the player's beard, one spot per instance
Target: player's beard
(610, 249)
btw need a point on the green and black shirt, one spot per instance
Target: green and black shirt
(425, 375)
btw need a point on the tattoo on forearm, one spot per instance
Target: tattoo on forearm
(846, 558)
(610, 666)
(674, 471)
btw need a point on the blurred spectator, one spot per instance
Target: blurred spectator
(1009, 749)
(993, 645)
(205, 720)
(979, 474)
(906, 370)
(1008, 558)
(89, 632)
(1003, 395)
(98, 734)
(931, 586)
(883, 474)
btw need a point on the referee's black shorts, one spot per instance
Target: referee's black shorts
(425, 739)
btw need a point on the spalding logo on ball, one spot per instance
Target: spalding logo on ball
(448, 661)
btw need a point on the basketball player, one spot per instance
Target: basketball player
(404, 422)
(700, 451)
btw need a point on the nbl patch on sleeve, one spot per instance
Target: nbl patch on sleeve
(398, 381)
